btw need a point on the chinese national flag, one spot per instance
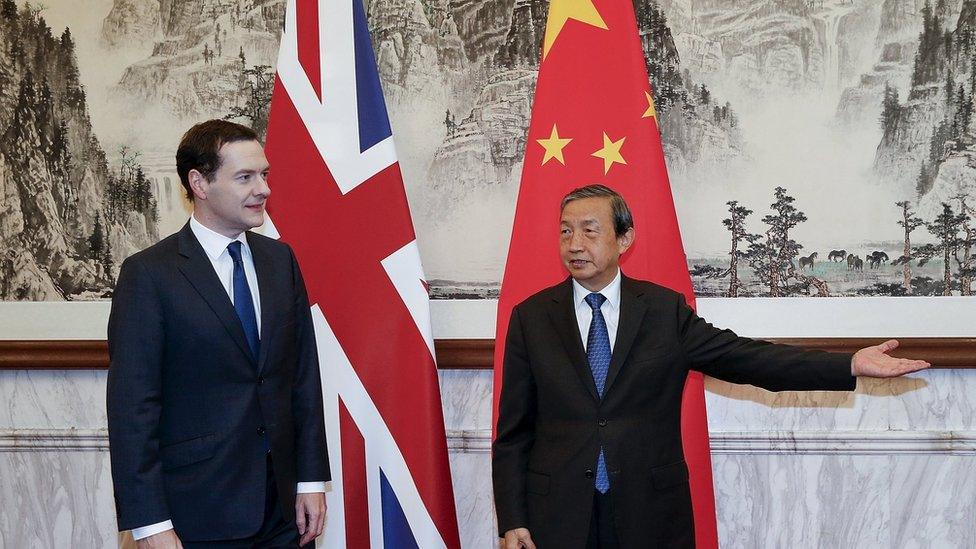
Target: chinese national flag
(593, 121)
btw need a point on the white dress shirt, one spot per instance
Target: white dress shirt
(610, 309)
(215, 246)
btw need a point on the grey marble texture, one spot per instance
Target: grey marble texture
(52, 399)
(891, 465)
(55, 499)
(466, 398)
(933, 501)
(472, 494)
(846, 501)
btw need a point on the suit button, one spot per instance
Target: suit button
(603, 423)
(261, 431)
(260, 381)
(588, 473)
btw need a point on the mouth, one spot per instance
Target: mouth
(578, 263)
(256, 207)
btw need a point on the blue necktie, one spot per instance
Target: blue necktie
(243, 303)
(598, 354)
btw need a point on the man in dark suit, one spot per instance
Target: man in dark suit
(215, 417)
(588, 449)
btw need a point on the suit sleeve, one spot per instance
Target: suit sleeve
(515, 431)
(724, 355)
(133, 398)
(311, 449)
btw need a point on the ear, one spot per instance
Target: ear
(198, 184)
(626, 240)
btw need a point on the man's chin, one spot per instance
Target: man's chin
(255, 221)
(580, 274)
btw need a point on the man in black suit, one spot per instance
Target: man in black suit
(215, 417)
(588, 449)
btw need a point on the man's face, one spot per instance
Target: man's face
(588, 245)
(233, 201)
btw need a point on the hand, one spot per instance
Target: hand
(518, 538)
(162, 540)
(875, 362)
(310, 515)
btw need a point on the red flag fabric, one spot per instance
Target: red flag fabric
(338, 199)
(593, 121)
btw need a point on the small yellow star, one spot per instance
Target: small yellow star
(554, 146)
(561, 11)
(610, 153)
(650, 112)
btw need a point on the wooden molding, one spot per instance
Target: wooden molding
(468, 354)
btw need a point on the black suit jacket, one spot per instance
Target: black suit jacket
(188, 404)
(551, 422)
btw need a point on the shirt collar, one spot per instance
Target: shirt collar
(610, 291)
(214, 243)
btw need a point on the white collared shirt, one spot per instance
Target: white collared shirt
(215, 246)
(610, 309)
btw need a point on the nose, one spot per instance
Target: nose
(262, 190)
(576, 241)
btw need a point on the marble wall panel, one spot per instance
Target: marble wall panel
(891, 465)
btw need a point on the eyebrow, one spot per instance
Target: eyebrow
(585, 222)
(246, 171)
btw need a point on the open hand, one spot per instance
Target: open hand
(874, 362)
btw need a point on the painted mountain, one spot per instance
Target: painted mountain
(470, 178)
(855, 124)
(66, 217)
(184, 62)
(815, 147)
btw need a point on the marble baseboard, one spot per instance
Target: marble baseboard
(868, 501)
(53, 499)
(471, 475)
(478, 441)
(59, 440)
(844, 442)
(866, 489)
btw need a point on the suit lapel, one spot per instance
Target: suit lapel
(632, 310)
(196, 267)
(263, 268)
(562, 311)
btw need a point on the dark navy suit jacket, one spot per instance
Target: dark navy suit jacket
(189, 407)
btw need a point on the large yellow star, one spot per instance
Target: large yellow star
(554, 146)
(650, 112)
(561, 11)
(610, 153)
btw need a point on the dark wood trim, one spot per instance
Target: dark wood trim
(467, 354)
(60, 354)
(464, 354)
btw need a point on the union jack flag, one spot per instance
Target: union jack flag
(339, 201)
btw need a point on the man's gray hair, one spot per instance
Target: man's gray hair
(623, 220)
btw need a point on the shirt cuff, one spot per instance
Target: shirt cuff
(311, 487)
(151, 530)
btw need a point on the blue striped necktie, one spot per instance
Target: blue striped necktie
(243, 302)
(598, 354)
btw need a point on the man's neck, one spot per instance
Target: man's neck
(209, 223)
(598, 286)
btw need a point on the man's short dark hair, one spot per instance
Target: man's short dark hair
(623, 220)
(200, 148)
